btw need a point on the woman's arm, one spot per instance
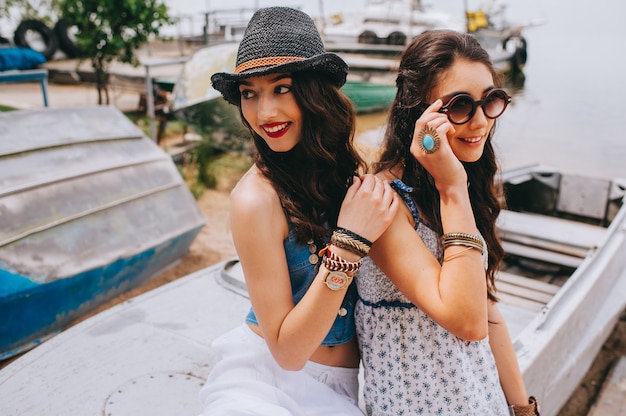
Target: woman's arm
(506, 360)
(294, 332)
(454, 293)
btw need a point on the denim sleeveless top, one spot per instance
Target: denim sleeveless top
(302, 273)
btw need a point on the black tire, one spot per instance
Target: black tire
(520, 54)
(368, 37)
(520, 45)
(21, 37)
(396, 38)
(66, 42)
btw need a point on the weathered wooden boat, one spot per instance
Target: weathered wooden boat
(89, 208)
(195, 102)
(562, 288)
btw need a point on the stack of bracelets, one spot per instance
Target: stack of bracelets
(347, 240)
(463, 239)
(468, 240)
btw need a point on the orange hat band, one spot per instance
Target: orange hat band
(268, 61)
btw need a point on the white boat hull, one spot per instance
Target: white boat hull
(151, 354)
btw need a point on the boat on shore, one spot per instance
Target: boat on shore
(562, 289)
(563, 285)
(90, 208)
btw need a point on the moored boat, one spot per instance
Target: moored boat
(394, 23)
(89, 208)
(563, 285)
(562, 288)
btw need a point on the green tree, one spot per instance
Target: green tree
(18, 10)
(113, 30)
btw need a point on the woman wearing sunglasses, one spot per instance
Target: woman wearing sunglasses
(431, 337)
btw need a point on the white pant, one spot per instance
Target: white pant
(247, 381)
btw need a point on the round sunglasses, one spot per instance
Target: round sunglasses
(462, 107)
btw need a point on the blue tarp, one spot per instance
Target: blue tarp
(20, 58)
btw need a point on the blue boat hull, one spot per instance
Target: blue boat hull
(90, 208)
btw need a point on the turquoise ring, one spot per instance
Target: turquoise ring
(428, 140)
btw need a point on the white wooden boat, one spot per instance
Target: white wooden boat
(147, 356)
(89, 208)
(564, 283)
(151, 354)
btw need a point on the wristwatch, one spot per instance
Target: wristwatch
(336, 280)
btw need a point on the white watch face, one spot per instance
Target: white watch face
(336, 280)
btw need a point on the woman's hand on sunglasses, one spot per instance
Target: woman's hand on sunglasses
(442, 164)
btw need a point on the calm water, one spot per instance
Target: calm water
(570, 111)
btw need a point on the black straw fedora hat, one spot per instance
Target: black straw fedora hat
(279, 39)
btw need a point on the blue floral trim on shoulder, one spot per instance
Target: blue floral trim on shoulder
(405, 192)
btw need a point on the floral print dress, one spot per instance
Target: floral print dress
(412, 365)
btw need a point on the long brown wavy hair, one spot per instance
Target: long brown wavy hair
(312, 178)
(423, 62)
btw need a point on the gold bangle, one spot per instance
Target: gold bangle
(457, 254)
(465, 243)
(462, 236)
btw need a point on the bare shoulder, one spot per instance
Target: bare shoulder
(254, 194)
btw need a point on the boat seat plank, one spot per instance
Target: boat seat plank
(536, 285)
(569, 250)
(558, 230)
(541, 254)
(523, 303)
(524, 292)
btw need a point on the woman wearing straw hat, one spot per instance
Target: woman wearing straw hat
(302, 219)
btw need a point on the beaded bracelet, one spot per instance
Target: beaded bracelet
(338, 264)
(346, 242)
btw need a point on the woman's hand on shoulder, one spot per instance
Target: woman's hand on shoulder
(442, 164)
(369, 207)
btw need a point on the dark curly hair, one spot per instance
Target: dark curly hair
(421, 65)
(312, 178)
